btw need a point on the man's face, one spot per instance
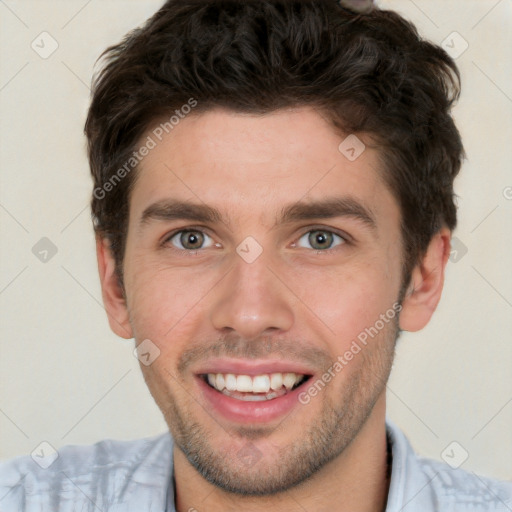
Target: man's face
(253, 295)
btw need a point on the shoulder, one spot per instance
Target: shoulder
(106, 473)
(466, 489)
(419, 483)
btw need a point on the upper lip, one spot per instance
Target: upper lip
(253, 367)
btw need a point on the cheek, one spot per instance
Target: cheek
(164, 303)
(349, 299)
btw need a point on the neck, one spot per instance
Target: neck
(356, 481)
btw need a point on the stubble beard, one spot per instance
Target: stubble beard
(329, 434)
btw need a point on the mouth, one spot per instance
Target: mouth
(242, 392)
(257, 388)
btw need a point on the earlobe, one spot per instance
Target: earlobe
(111, 291)
(426, 284)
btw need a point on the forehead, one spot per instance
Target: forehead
(252, 165)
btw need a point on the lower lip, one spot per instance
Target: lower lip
(241, 411)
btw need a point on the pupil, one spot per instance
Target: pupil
(321, 238)
(192, 239)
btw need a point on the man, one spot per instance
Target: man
(273, 204)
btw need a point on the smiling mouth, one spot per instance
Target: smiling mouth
(257, 388)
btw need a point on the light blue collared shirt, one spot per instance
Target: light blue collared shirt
(137, 476)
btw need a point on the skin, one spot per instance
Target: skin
(295, 302)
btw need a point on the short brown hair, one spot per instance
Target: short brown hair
(367, 73)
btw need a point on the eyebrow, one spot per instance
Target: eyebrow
(331, 207)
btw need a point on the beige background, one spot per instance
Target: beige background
(66, 379)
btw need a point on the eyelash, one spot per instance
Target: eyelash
(346, 239)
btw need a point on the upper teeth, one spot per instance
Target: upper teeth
(256, 384)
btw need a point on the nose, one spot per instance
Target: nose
(252, 299)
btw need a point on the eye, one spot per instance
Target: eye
(188, 239)
(321, 239)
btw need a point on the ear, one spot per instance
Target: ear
(111, 291)
(426, 284)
